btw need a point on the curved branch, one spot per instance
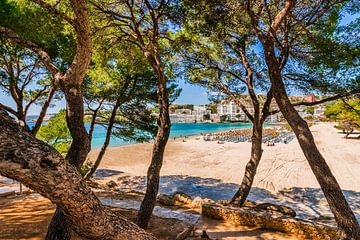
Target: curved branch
(43, 111)
(14, 37)
(280, 17)
(8, 109)
(328, 99)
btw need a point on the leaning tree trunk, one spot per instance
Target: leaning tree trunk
(153, 174)
(344, 216)
(60, 227)
(41, 168)
(251, 167)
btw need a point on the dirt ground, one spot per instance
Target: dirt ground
(27, 217)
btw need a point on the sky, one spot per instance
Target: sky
(190, 94)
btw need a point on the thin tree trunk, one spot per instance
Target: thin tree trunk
(344, 216)
(251, 167)
(42, 114)
(153, 174)
(92, 124)
(106, 142)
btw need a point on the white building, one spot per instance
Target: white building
(233, 111)
(188, 115)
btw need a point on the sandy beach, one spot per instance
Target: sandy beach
(282, 166)
(213, 170)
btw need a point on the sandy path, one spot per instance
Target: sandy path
(282, 166)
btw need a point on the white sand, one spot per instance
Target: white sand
(282, 166)
(212, 170)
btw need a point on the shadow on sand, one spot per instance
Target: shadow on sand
(309, 203)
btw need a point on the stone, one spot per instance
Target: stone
(166, 200)
(111, 184)
(277, 208)
(197, 202)
(182, 198)
(250, 217)
(6, 194)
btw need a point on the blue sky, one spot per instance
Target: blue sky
(190, 94)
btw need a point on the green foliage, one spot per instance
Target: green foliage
(36, 24)
(85, 168)
(56, 133)
(212, 108)
(206, 117)
(310, 110)
(22, 70)
(309, 117)
(122, 76)
(347, 114)
(174, 107)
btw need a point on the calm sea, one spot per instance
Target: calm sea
(177, 130)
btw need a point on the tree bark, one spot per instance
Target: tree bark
(344, 216)
(251, 167)
(70, 83)
(256, 139)
(60, 225)
(41, 168)
(80, 146)
(153, 174)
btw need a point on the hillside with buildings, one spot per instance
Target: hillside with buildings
(229, 111)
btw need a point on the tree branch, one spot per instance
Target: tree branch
(8, 109)
(54, 11)
(14, 37)
(43, 111)
(280, 17)
(328, 99)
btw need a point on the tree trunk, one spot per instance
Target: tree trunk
(153, 174)
(251, 167)
(60, 225)
(92, 124)
(41, 168)
(43, 111)
(76, 155)
(70, 83)
(106, 142)
(344, 216)
(80, 145)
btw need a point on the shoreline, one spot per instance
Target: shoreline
(194, 157)
(195, 135)
(213, 170)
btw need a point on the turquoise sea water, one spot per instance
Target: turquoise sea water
(177, 130)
